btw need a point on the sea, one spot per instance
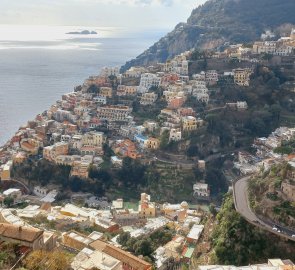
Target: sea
(40, 63)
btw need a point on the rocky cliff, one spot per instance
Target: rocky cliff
(218, 21)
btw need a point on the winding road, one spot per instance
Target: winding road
(240, 190)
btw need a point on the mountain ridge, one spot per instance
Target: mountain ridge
(218, 21)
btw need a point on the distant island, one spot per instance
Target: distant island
(84, 32)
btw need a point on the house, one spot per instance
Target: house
(175, 134)
(129, 261)
(194, 234)
(147, 81)
(114, 112)
(100, 100)
(190, 123)
(5, 171)
(109, 71)
(176, 102)
(211, 77)
(117, 162)
(52, 152)
(148, 99)
(150, 125)
(126, 148)
(106, 92)
(93, 138)
(14, 193)
(152, 143)
(27, 236)
(242, 76)
(88, 259)
(31, 146)
(118, 204)
(141, 140)
(201, 191)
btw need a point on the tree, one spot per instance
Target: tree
(123, 238)
(8, 201)
(164, 141)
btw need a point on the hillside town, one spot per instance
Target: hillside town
(104, 114)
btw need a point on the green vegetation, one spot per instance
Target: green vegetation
(216, 22)
(146, 245)
(267, 198)
(236, 242)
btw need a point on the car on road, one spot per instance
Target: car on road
(293, 235)
(274, 228)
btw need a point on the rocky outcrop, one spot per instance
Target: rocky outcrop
(216, 22)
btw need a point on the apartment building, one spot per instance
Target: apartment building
(52, 152)
(242, 76)
(148, 99)
(114, 112)
(147, 81)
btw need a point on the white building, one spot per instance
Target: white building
(201, 190)
(110, 71)
(175, 134)
(147, 81)
(148, 99)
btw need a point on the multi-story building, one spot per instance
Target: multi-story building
(146, 208)
(189, 123)
(106, 92)
(147, 81)
(176, 102)
(211, 77)
(175, 134)
(110, 71)
(126, 90)
(114, 113)
(268, 47)
(152, 143)
(201, 191)
(93, 138)
(148, 99)
(242, 76)
(52, 152)
(30, 237)
(5, 171)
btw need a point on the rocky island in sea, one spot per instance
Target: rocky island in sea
(84, 32)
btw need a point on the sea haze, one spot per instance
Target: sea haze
(37, 68)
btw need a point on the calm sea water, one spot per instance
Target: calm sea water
(37, 68)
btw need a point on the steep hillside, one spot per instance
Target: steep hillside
(216, 22)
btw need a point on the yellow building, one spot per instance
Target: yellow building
(106, 92)
(20, 157)
(189, 123)
(152, 143)
(242, 77)
(93, 139)
(30, 145)
(52, 152)
(5, 171)
(146, 208)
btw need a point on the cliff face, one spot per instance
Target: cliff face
(216, 22)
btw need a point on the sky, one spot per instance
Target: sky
(136, 14)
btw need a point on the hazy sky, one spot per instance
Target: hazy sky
(115, 13)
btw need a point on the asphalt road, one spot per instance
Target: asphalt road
(243, 207)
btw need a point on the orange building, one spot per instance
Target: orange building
(127, 148)
(176, 102)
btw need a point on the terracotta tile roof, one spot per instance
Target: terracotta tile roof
(19, 232)
(121, 255)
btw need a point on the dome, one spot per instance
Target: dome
(184, 205)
